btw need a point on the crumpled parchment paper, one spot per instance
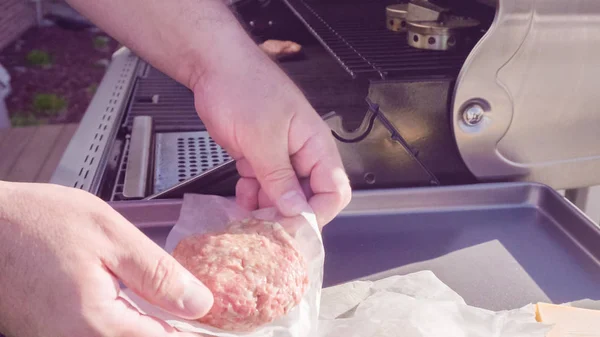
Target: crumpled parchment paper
(205, 214)
(416, 305)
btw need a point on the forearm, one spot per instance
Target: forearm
(182, 38)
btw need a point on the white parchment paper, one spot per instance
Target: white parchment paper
(412, 305)
(211, 214)
(416, 305)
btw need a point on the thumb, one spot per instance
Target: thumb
(156, 276)
(278, 180)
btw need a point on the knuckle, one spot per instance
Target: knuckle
(343, 191)
(279, 175)
(156, 282)
(346, 196)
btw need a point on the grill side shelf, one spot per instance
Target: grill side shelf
(84, 160)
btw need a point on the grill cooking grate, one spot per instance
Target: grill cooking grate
(356, 35)
(170, 104)
(117, 192)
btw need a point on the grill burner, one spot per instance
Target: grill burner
(454, 32)
(358, 38)
(396, 17)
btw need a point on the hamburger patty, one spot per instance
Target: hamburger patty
(254, 271)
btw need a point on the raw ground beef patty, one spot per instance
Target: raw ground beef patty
(254, 271)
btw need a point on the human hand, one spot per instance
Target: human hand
(249, 105)
(253, 110)
(62, 251)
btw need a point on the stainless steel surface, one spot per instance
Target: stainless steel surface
(449, 34)
(538, 68)
(449, 26)
(182, 155)
(473, 114)
(119, 182)
(418, 114)
(404, 138)
(396, 17)
(371, 156)
(139, 162)
(423, 10)
(500, 246)
(83, 161)
(217, 180)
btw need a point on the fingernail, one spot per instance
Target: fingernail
(197, 299)
(292, 203)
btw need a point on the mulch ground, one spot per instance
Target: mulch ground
(73, 75)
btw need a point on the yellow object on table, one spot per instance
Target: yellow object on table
(569, 321)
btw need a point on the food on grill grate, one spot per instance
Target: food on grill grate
(254, 271)
(277, 49)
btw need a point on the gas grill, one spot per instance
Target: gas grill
(452, 93)
(444, 131)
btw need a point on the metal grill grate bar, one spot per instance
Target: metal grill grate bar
(170, 104)
(117, 192)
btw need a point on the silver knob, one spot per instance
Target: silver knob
(473, 114)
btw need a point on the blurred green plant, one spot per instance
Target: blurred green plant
(101, 42)
(39, 58)
(21, 119)
(48, 104)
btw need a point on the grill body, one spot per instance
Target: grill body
(395, 110)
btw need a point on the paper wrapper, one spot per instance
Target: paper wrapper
(211, 214)
(416, 305)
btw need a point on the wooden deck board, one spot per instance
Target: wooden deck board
(35, 154)
(31, 154)
(3, 134)
(12, 146)
(51, 163)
